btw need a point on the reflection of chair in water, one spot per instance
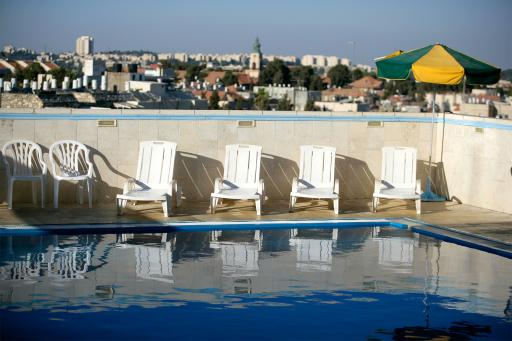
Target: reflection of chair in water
(313, 254)
(238, 258)
(153, 255)
(396, 253)
(29, 268)
(69, 262)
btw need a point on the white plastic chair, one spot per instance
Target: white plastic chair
(23, 161)
(154, 180)
(398, 177)
(70, 162)
(316, 176)
(241, 179)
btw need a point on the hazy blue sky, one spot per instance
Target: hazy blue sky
(481, 28)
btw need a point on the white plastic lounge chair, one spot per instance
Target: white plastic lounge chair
(316, 176)
(23, 161)
(70, 162)
(241, 177)
(398, 177)
(154, 180)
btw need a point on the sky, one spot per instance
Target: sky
(480, 28)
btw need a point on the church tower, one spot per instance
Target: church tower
(255, 60)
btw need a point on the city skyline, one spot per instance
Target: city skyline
(365, 30)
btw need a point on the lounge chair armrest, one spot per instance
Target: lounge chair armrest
(44, 168)
(418, 186)
(378, 186)
(218, 185)
(128, 185)
(295, 184)
(90, 169)
(173, 187)
(261, 187)
(337, 186)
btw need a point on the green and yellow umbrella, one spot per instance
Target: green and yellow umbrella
(437, 64)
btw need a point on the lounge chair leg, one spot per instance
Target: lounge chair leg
(213, 204)
(34, 193)
(119, 206)
(166, 205)
(375, 203)
(418, 206)
(80, 192)
(42, 192)
(293, 201)
(336, 205)
(10, 185)
(89, 192)
(257, 202)
(56, 194)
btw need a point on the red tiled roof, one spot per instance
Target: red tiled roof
(244, 79)
(213, 75)
(367, 82)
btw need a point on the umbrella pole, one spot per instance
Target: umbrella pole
(428, 195)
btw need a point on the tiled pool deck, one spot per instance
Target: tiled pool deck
(464, 218)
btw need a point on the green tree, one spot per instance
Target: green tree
(30, 72)
(301, 76)
(214, 101)
(229, 78)
(357, 74)
(193, 71)
(310, 105)
(284, 104)
(275, 72)
(61, 72)
(316, 83)
(340, 75)
(262, 100)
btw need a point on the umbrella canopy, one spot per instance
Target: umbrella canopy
(437, 64)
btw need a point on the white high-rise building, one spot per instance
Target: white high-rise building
(84, 45)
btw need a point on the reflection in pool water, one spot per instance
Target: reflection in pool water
(358, 283)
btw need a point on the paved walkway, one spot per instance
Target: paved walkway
(465, 218)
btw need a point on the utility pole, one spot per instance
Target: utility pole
(353, 43)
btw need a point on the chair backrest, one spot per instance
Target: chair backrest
(22, 157)
(155, 167)
(399, 166)
(70, 157)
(242, 164)
(317, 165)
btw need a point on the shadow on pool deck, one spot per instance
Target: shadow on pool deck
(467, 218)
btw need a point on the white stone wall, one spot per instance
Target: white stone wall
(472, 166)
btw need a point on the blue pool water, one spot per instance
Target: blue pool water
(378, 283)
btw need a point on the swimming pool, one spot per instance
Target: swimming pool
(374, 282)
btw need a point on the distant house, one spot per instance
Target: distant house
(214, 77)
(367, 83)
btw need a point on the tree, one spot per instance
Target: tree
(357, 74)
(284, 104)
(275, 72)
(30, 72)
(316, 83)
(310, 105)
(340, 75)
(261, 101)
(301, 76)
(61, 72)
(214, 101)
(193, 71)
(229, 78)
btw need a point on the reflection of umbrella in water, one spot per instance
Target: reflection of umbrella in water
(436, 64)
